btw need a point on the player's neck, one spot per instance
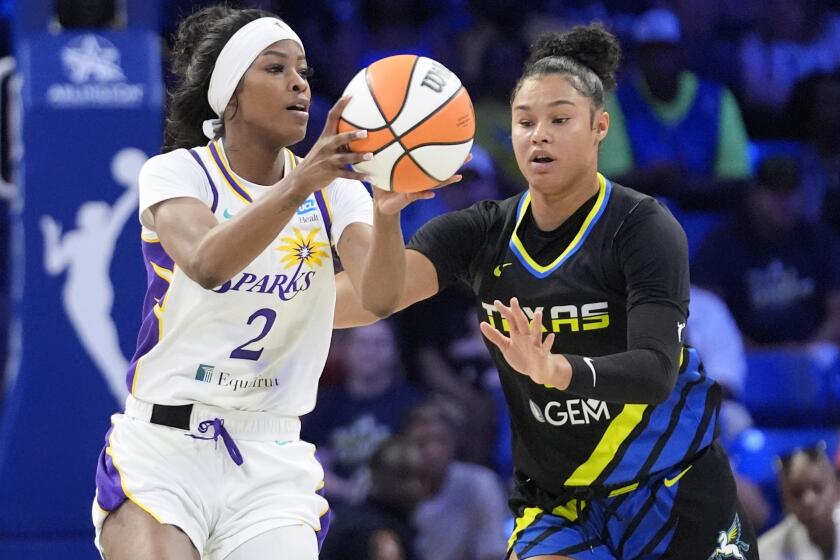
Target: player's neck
(254, 161)
(551, 208)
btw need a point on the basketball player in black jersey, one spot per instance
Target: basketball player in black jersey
(582, 292)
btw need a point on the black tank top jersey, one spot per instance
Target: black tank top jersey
(620, 254)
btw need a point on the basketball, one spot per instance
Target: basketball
(419, 119)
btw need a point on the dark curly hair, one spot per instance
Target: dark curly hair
(198, 42)
(588, 54)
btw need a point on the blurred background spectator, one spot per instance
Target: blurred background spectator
(811, 497)
(365, 409)
(777, 272)
(75, 14)
(792, 39)
(380, 527)
(813, 114)
(464, 516)
(673, 133)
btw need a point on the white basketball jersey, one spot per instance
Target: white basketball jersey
(260, 340)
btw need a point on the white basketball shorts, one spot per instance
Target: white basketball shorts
(197, 485)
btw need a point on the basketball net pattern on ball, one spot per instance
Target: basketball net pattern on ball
(419, 119)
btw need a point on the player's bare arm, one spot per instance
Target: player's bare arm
(211, 253)
(420, 283)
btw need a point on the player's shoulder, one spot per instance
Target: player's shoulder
(627, 197)
(496, 210)
(340, 183)
(175, 162)
(629, 202)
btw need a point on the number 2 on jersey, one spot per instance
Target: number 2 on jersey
(243, 353)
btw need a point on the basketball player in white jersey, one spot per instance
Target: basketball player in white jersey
(206, 461)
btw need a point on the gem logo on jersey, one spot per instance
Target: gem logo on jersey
(572, 411)
(730, 544)
(535, 410)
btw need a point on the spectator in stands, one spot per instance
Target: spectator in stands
(777, 272)
(380, 528)
(498, 72)
(793, 38)
(712, 330)
(458, 371)
(811, 496)
(352, 419)
(814, 115)
(464, 516)
(86, 13)
(673, 133)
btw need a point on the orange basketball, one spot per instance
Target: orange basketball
(419, 119)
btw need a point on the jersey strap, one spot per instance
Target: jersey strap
(197, 158)
(221, 162)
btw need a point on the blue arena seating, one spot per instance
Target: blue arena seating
(791, 388)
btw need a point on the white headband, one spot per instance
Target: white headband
(235, 59)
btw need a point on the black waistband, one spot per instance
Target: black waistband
(172, 416)
(528, 493)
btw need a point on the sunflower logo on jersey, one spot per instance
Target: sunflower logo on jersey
(302, 249)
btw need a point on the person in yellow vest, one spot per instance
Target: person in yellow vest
(673, 133)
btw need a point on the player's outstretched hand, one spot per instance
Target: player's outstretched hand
(525, 350)
(329, 156)
(392, 202)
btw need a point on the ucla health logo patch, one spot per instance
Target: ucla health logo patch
(309, 205)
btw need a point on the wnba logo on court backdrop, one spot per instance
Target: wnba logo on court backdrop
(92, 64)
(83, 254)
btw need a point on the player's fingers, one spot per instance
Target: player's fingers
(519, 316)
(454, 179)
(507, 315)
(548, 342)
(353, 175)
(342, 159)
(344, 138)
(331, 126)
(536, 327)
(422, 195)
(494, 336)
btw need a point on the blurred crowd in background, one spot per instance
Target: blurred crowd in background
(729, 112)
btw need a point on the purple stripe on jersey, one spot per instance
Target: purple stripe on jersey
(231, 181)
(109, 492)
(322, 205)
(156, 288)
(325, 523)
(197, 158)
